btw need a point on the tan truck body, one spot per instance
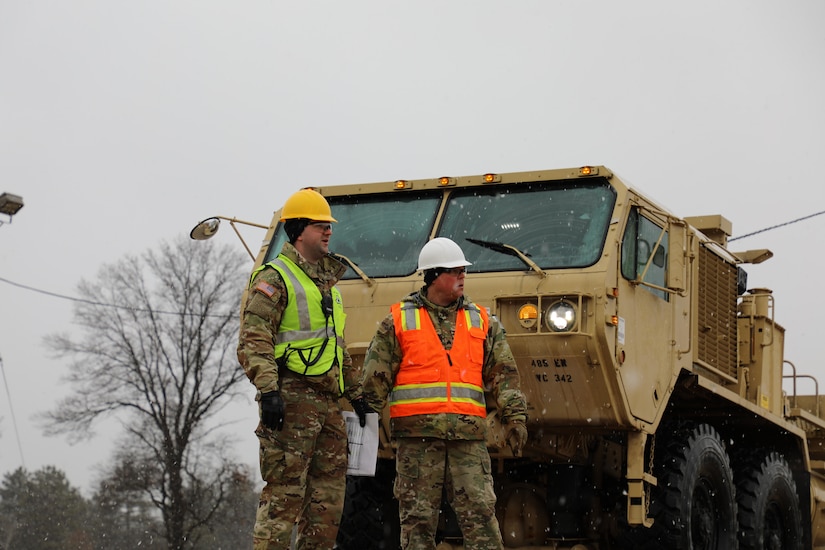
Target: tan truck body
(670, 364)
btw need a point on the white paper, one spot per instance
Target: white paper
(363, 444)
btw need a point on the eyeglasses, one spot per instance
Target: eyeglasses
(323, 226)
(455, 271)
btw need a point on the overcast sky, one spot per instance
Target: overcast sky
(125, 123)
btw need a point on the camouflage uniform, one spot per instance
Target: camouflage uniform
(304, 465)
(445, 450)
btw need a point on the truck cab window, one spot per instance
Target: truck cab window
(382, 234)
(643, 239)
(558, 227)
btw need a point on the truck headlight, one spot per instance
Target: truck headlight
(560, 317)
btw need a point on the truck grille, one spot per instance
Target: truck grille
(717, 313)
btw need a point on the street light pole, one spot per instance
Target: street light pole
(13, 419)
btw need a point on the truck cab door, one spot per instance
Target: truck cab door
(646, 319)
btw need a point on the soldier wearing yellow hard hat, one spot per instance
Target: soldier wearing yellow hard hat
(292, 348)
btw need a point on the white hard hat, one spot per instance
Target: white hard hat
(441, 252)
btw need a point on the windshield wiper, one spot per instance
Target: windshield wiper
(510, 251)
(354, 267)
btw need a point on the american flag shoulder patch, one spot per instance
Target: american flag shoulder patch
(265, 288)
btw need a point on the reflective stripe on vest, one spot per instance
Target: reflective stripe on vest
(306, 340)
(431, 379)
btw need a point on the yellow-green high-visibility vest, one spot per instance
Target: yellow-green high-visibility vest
(308, 342)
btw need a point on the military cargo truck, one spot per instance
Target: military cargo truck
(654, 374)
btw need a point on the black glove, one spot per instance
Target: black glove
(361, 408)
(272, 410)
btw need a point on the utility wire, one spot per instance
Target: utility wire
(775, 226)
(13, 419)
(94, 303)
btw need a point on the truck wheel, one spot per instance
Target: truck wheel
(694, 502)
(370, 516)
(769, 511)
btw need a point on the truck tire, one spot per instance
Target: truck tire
(694, 503)
(769, 509)
(370, 516)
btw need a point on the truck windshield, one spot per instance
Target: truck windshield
(382, 234)
(556, 226)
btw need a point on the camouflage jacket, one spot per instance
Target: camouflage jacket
(261, 318)
(499, 373)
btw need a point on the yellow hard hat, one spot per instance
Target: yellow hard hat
(307, 203)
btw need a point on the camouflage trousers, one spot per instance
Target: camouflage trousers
(304, 467)
(425, 467)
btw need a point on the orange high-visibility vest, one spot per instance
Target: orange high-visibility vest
(430, 379)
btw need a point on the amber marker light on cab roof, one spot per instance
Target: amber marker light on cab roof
(491, 178)
(528, 315)
(403, 184)
(445, 181)
(588, 171)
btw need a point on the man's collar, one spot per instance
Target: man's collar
(422, 294)
(326, 265)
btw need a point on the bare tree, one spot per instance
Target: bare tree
(158, 354)
(121, 515)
